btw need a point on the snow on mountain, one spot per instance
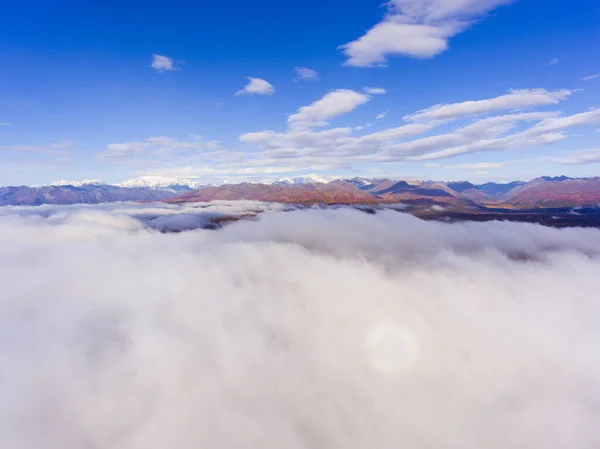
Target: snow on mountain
(85, 182)
(161, 183)
(303, 180)
(360, 182)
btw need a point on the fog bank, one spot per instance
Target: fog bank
(306, 329)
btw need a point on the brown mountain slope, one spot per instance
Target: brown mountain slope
(540, 193)
(337, 192)
(558, 192)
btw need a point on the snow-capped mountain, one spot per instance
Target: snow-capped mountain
(302, 180)
(85, 182)
(162, 183)
(360, 182)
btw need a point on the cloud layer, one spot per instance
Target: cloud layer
(516, 120)
(476, 129)
(303, 329)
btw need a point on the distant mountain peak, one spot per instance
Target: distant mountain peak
(301, 180)
(84, 182)
(161, 182)
(555, 178)
(461, 186)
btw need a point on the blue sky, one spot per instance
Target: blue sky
(514, 82)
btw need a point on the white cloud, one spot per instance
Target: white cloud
(160, 146)
(400, 132)
(295, 138)
(163, 64)
(361, 127)
(476, 133)
(381, 116)
(6, 124)
(480, 165)
(54, 149)
(123, 150)
(333, 104)
(554, 61)
(302, 147)
(491, 134)
(416, 28)
(591, 77)
(289, 330)
(558, 123)
(579, 157)
(515, 99)
(257, 86)
(338, 148)
(306, 74)
(375, 91)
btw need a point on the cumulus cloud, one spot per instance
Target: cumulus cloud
(381, 116)
(306, 74)
(163, 63)
(301, 329)
(515, 99)
(257, 86)
(416, 28)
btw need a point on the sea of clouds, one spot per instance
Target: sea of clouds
(305, 329)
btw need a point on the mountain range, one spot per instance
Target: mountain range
(70, 194)
(540, 193)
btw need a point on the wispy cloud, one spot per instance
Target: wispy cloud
(6, 124)
(306, 74)
(337, 146)
(515, 99)
(554, 61)
(375, 90)
(481, 165)
(54, 149)
(163, 64)
(591, 77)
(162, 147)
(579, 157)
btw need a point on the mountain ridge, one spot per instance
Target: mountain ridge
(542, 192)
